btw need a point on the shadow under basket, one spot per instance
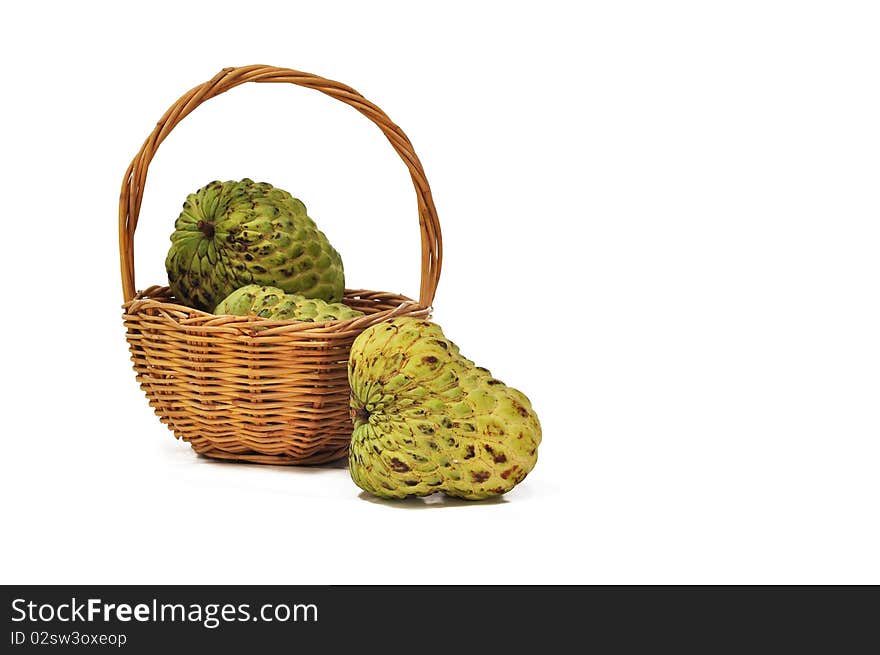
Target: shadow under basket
(247, 388)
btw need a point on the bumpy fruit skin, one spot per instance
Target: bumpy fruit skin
(274, 304)
(230, 234)
(426, 419)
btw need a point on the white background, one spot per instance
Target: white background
(660, 222)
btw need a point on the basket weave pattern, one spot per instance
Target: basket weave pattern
(247, 388)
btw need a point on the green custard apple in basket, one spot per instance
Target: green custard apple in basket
(232, 234)
(274, 304)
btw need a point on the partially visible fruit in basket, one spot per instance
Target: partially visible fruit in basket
(427, 419)
(230, 234)
(273, 303)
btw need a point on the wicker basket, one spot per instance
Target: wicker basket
(246, 388)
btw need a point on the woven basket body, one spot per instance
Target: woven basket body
(246, 388)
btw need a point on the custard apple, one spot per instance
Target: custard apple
(230, 234)
(426, 419)
(273, 303)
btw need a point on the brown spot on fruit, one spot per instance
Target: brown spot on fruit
(430, 360)
(410, 483)
(494, 430)
(207, 228)
(470, 452)
(480, 476)
(506, 474)
(493, 382)
(398, 466)
(522, 411)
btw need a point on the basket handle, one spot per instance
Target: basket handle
(136, 176)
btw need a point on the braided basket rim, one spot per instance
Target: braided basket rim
(155, 299)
